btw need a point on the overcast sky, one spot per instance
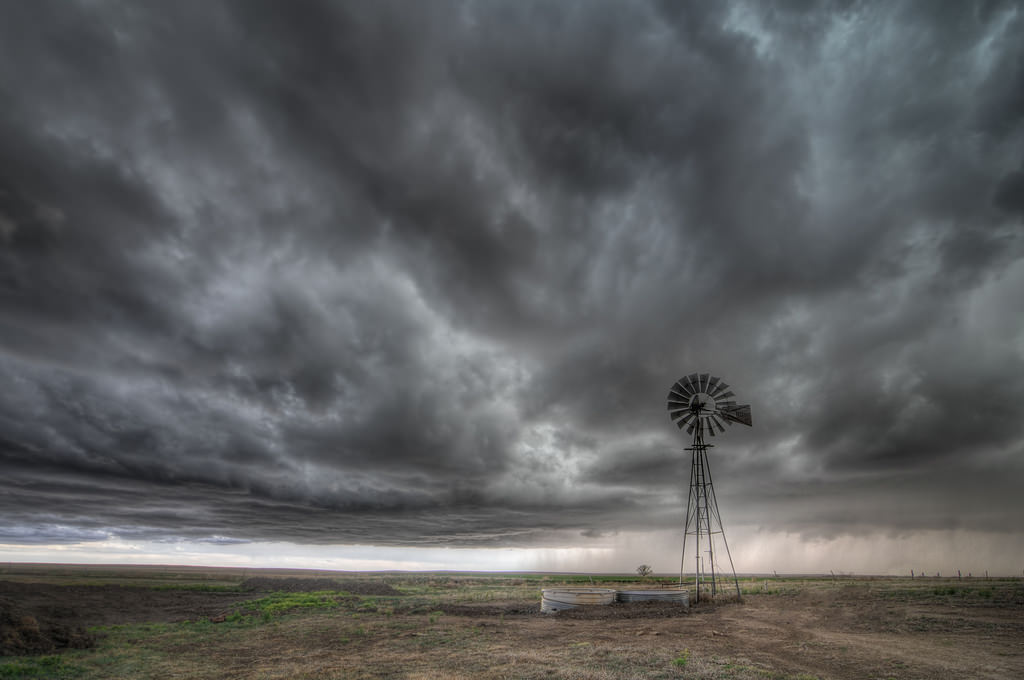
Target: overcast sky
(420, 274)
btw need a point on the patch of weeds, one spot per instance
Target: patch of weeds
(369, 605)
(682, 660)
(198, 587)
(38, 667)
(433, 641)
(237, 617)
(419, 608)
(151, 627)
(276, 604)
(734, 669)
(434, 616)
(400, 626)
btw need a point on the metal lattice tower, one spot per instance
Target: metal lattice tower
(702, 402)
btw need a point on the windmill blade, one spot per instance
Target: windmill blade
(681, 423)
(739, 414)
(718, 409)
(682, 388)
(719, 388)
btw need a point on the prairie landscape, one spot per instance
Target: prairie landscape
(448, 287)
(190, 622)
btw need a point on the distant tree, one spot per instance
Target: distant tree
(644, 570)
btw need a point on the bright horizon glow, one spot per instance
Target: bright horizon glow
(754, 552)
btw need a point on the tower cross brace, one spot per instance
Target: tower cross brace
(703, 523)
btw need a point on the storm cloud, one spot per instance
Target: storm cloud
(399, 273)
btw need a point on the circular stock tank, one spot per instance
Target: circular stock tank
(665, 595)
(556, 599)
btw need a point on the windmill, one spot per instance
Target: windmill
(701, 403)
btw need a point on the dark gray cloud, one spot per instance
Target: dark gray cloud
(421, 274)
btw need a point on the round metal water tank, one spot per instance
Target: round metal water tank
(557, 599)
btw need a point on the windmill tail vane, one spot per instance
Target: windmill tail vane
(699, 403)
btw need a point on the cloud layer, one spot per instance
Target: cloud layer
(422, 273)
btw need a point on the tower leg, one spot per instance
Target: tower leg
(690, 516)
(703, 522)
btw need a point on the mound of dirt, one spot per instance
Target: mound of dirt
(43, 617)
(368, 588)
(22, 634)
(309, 585)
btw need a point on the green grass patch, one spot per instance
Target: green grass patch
(276, 604)
(197, 587)
(37, 667)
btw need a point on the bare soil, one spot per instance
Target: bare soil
(846, 633)
(39, 618)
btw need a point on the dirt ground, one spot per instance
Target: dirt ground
(843, 632)
(44, 617)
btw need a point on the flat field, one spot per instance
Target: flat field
(178, 622)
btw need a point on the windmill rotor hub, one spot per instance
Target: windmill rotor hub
(702, 401)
